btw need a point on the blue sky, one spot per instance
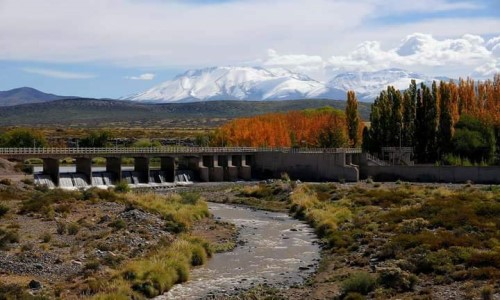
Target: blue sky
(113, 48)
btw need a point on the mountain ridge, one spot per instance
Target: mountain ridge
(237, 83)
(260, 84)
(106, 112)
(27, 95)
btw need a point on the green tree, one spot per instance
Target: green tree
(474, 140)
(353, 119)
(23, 138)
(146, 143)
(445, 132)
(332, 138)
(396, 122)
(420, 126)
(96, 139)
(409, 114)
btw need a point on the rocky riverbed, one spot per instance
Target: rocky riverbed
(272, 249)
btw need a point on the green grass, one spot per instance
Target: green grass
(160, 270)
(436, 231)
(179, 211)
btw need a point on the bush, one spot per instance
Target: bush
(474, 140)
(122, 187)
(413, 225)
(92, 265)
(3, 210)
(6, 181)
(361, 282)
(61, 228)
(397, 279)
(8, 237)
(118, 224)
(190, 198)
(73, 228)
(46, 237)
(28, 181)
(487, 293)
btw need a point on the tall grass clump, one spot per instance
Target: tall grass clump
(362, 283)
(324, 216)
(179, 211)
(157, 273)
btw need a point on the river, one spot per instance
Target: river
(274, 249)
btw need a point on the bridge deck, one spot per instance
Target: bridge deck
(48, 152)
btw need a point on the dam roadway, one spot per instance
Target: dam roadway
(206, 164)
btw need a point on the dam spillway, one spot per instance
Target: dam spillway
(185, 164)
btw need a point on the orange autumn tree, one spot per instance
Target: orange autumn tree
(325, 127)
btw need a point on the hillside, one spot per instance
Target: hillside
(89, 112)
(26, 95)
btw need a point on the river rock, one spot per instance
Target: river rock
(35, 285)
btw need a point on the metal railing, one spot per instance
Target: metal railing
(167, 150)
(376, 160)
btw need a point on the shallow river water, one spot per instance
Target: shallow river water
(275, 249)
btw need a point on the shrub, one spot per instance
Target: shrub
(354, 296)
(413, 225)
(61, 228)
(92, 265)
(46, 237)
(487, 293)
(190, 198)
(122, 187)
(6, 181)
(27, 247)
(3, 210)
(361, 282)
(8, 237)
(118, 224)
(397, 279)
(260, 191)
(285, 177)
(28, 181)
(73, 228)
(484, 259)
(157, 273)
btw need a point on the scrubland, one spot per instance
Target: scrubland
(100, 244)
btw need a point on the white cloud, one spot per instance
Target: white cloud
(184, 34)
(146, 76)
(58, 74)
(463, 56)
(419, 51)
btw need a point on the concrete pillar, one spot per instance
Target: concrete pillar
(114, 166)
(356, 158)
(348, 159)
(340, 159)
(51, 168)
(141, 165)
(203, 170)
(84, 166)
(244, 170)
(216, 172)
(230, 170)
(169, 166)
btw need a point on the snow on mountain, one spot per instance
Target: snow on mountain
(237, 83)
(256, 84)
(368, 85)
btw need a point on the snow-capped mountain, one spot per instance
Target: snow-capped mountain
(368, 85)
(257, 84)
(238, 83)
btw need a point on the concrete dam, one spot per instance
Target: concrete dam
(203, 164)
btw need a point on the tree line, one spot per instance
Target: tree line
(442, 122)
(319, 128)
